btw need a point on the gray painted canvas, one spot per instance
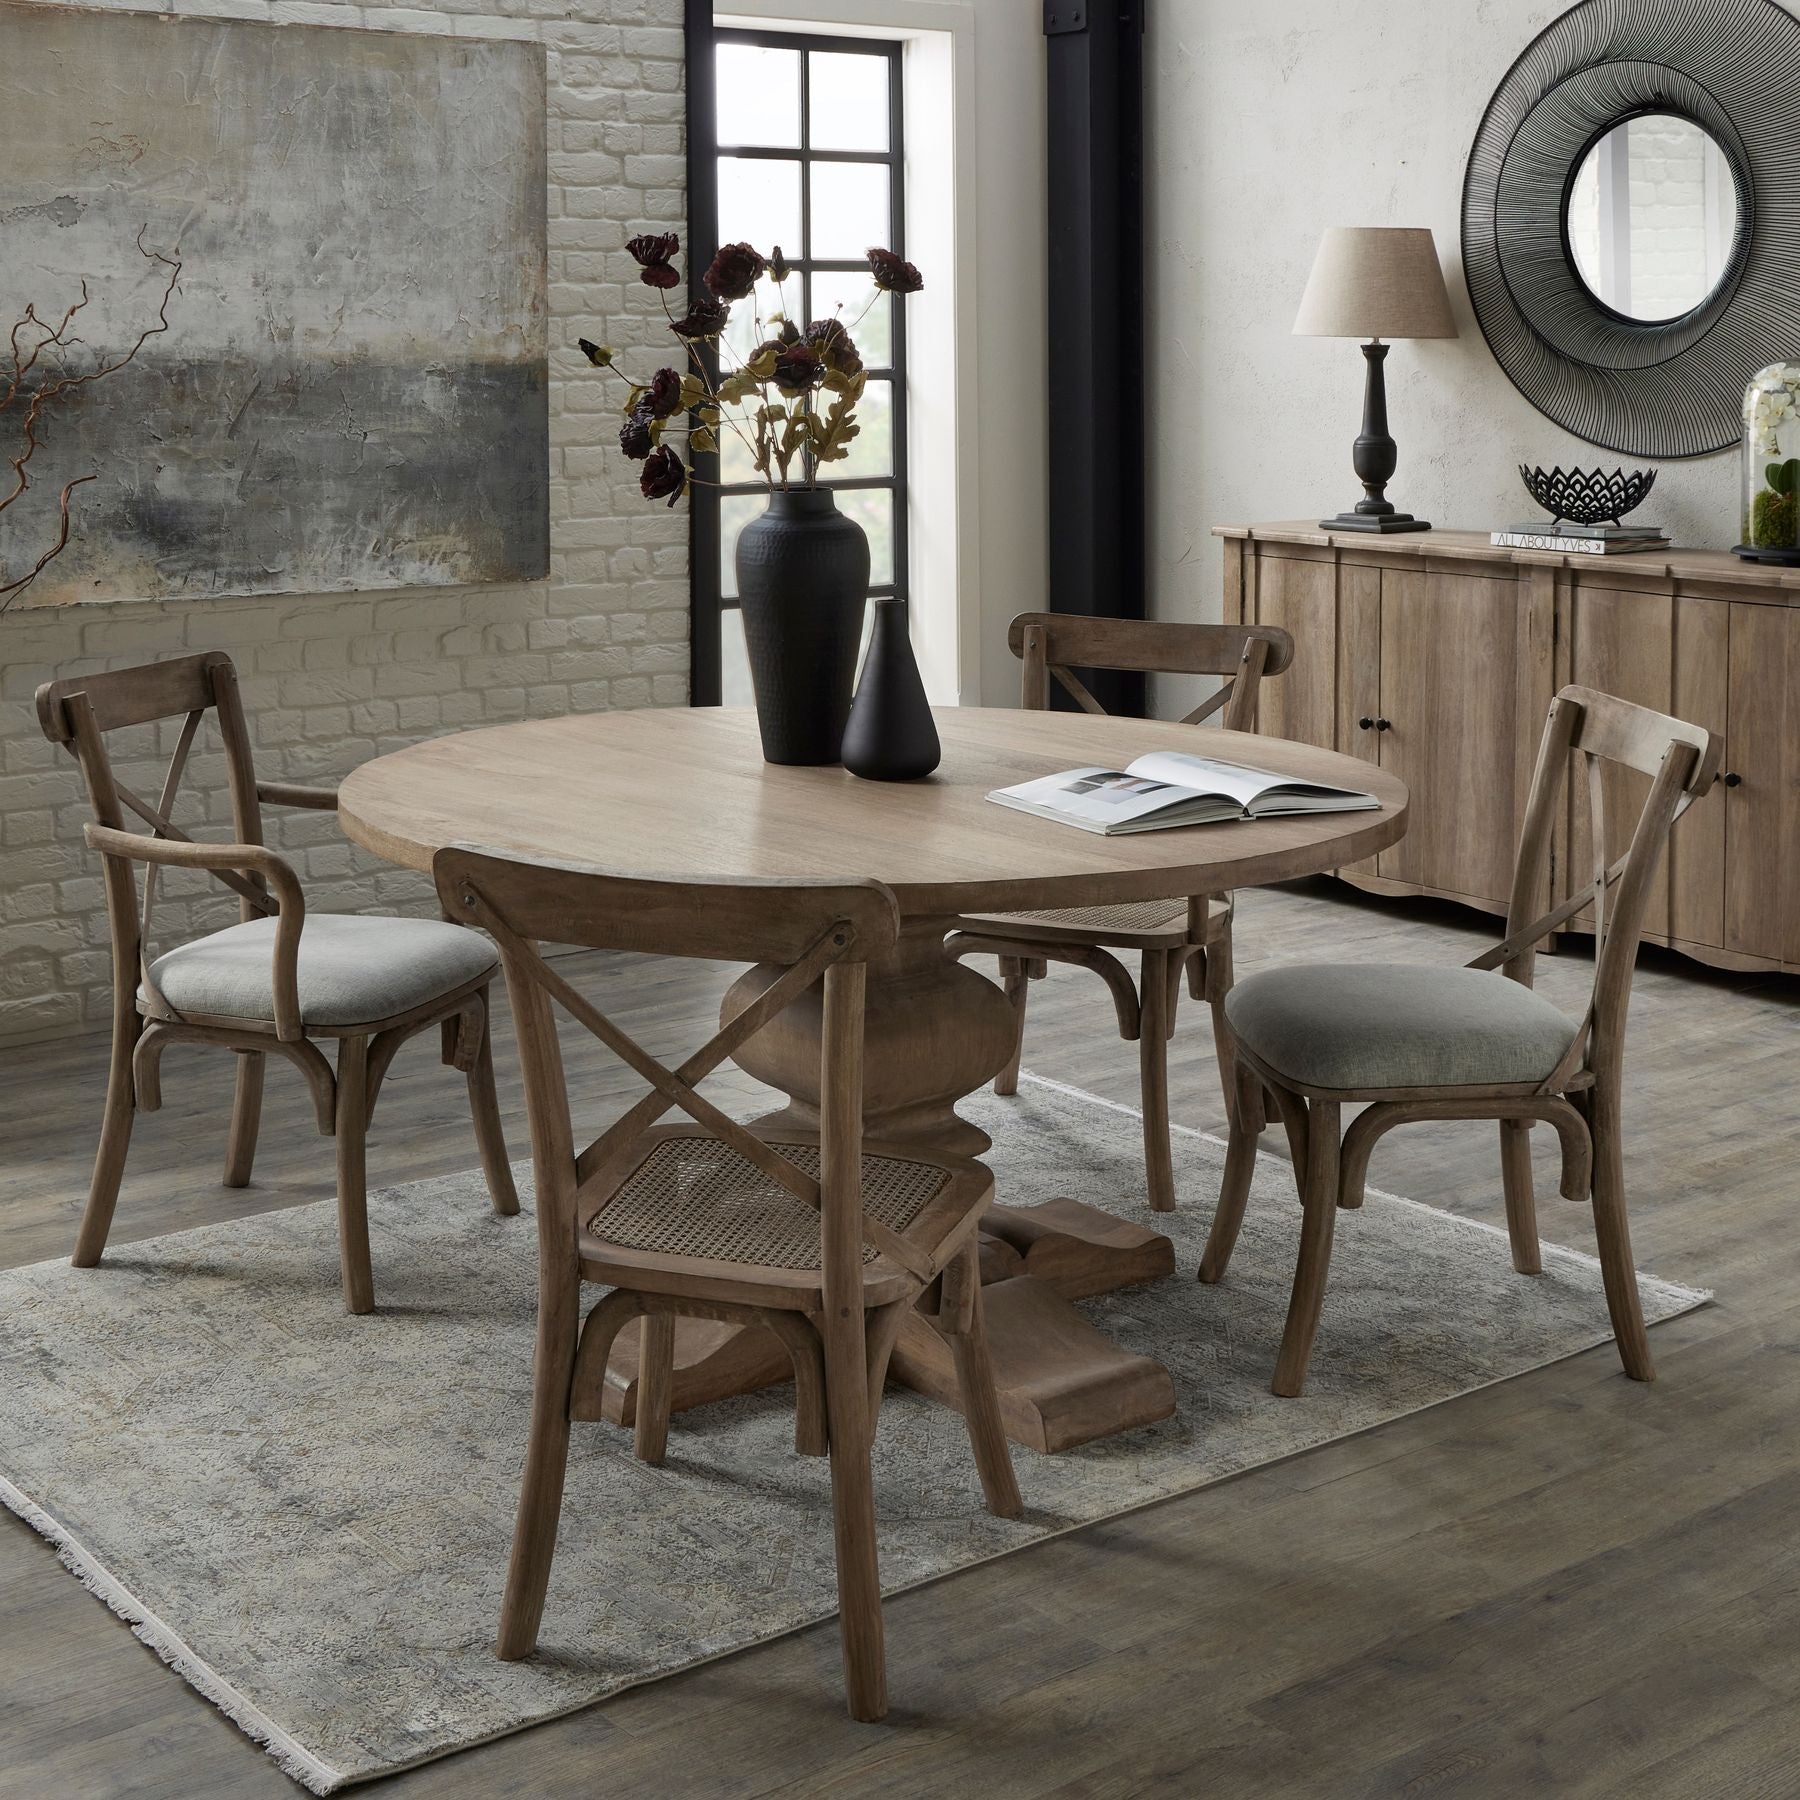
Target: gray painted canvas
(352, 392)
(309, 1515)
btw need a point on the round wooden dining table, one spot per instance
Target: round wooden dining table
(683, 793)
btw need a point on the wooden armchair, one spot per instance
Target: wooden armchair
(827, 1241)
(1170, 935)
(1429, 1043)
(275, 983)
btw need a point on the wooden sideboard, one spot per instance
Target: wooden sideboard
(1436, 655)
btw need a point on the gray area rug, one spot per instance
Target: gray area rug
(309, 1515)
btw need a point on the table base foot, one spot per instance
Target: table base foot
(1061, 1382)
(713, 1361)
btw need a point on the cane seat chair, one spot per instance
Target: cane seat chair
(278, 982)
(825, 1240)
(1477, 1042)
(1170, 936)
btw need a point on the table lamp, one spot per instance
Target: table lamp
(1375, 282)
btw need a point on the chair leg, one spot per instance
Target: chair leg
(1153, 1078)
(975, 1387)
(656, 1385)
(352, 1181)
(246, 1116)
(1015, 978)
(1614, 1232)
(1234, 1185)
(484, 1106)
(1219, 975)
(1521, 1206)
(115, 1140)
(541, 1487)
(853, 1515)
(1318, 1219)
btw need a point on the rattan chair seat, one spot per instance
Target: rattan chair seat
(697, 1197)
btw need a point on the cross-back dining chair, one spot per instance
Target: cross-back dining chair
(1472, 1043)
(278, 982)
(825, 1240)
(1191, 934)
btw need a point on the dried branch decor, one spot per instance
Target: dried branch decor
(41, 373)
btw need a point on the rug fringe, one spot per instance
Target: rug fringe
(294, 1761)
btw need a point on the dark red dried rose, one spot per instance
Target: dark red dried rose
(634, 436)
(652, 254)
(779, 267)
(735, 271)
(798, 369)
(664, 477)
(706, 318)
(894, 274)
(663, 396)
(600, 355)
(836, 348)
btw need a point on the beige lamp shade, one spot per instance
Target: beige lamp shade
(1376, 281)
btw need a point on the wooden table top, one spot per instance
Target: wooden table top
(682, 792)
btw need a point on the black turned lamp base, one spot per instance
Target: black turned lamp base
(1381, 522)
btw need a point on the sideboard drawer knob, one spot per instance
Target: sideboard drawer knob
(1365, 723)
(1734, 780)
(1384, 725)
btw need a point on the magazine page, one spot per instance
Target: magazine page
(1102, 797)
(1205, 774)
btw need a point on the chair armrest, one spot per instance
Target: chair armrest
(249, 859)
(285, 793)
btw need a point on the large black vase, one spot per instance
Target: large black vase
(891, 735)
(803, 581)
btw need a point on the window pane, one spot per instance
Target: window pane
(759, 96)
(735, 461)
(735, 512)
(734, 661)
(759, 203)
(872, 449)
(850, 209)
(873, 510)
(846, 294)
(849, 101)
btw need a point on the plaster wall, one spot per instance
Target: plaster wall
(1270, 120)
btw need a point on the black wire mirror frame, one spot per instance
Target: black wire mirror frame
(1669, 388)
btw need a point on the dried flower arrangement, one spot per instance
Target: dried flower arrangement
(793, 397)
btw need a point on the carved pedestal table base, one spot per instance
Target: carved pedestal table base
(935, 1032)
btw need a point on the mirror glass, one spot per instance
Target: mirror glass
(1652, 217)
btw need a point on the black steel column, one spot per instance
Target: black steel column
(1095, 112)
(703, 213)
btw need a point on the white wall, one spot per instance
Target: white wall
(332, 681)
(1269, 120)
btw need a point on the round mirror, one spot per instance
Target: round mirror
(1652, 217)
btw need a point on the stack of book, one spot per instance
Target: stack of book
(1583, 540)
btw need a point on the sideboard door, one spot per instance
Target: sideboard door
(1450, 696)
(1762, 809)
(1669, 654)
(1300, 596)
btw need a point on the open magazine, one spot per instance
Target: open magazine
(1169, 788)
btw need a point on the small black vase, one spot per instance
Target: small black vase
(803, 580)
(891, 735)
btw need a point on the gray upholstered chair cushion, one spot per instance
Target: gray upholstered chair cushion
(1374, 1025)
(352, 970)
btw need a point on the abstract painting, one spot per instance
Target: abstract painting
(352, 389)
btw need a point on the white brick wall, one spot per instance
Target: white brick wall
(331, 681)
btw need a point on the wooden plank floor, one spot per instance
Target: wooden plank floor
(1565, 1584)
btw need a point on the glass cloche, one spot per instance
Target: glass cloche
(1772, 466)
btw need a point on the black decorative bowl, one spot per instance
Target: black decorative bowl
(1587, 499)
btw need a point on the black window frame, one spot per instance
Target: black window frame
(708, 601)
